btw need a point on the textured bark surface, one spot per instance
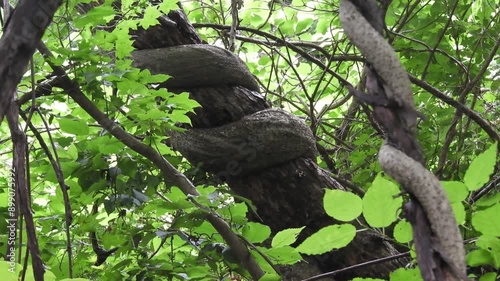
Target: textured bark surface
(286, 193)
(221, 67)
(438, 242)
(264, 139)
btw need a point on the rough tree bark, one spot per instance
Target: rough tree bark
(438, 243)
(287, 193)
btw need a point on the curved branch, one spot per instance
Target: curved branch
(440, 251)
(483, 123)
(168, 170)
(23, 31)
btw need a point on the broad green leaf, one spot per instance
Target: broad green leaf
(488, 201)
(151, 15)
(490, 276)
(183, 101)
(303, 24)
(456, 190)
(236, 212)
(47, 276)
(479, 257)
(382, 203)
(7, 199)
(328, 238)
(98, 15)
(286, 237)
(342, 205)
(75, 127)
(109, 145)
(167, 6)
(145, 76)
(492, 245)
(256, 232)
(403, 274)
(459, 211)
(481, 168)
(487, 221)
(283, 255)
(403, 231)
(10, 270)
(179, 117)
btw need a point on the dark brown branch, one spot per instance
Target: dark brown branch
(56, 166)
(286, 44)
(357, 266)
(24, 30)
(467, 111)
(19, 140)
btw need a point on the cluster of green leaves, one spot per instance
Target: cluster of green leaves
(113, 191)
(382, 203)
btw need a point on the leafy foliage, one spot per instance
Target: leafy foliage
(118, 195)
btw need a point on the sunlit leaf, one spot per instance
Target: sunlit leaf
(256, 232)
(286, 237)
(481, 168)
(382, 203)
(328, 238)
(342, 205)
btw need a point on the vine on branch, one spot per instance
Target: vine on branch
(439, 245)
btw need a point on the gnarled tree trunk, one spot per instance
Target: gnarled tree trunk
(269, 156)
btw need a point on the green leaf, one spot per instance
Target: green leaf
(256, 232)
(487, 221)
(10, 270)
(342, 205)
(286, 237)
(237, 212)
(456, 190)
(283, 255)
(110, 145)
(488, 201)
(166, 6)
(382, 203)
(303, 24)
(328, 238)
(183, 101)
(481, 168)
(403, 232)
(151, 15)
(459, 211)
(97, 16)
(403, 274)
(490, 276)
(492, 245)
(75, 127)
(479, 257)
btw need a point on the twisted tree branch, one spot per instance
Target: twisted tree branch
(440, 251)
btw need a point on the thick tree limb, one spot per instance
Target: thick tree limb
(25, 28)
(22, 192)
(440, 251)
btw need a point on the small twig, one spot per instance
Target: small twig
(360, 265)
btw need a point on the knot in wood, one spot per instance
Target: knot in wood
(256, 142)
(194, 66)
